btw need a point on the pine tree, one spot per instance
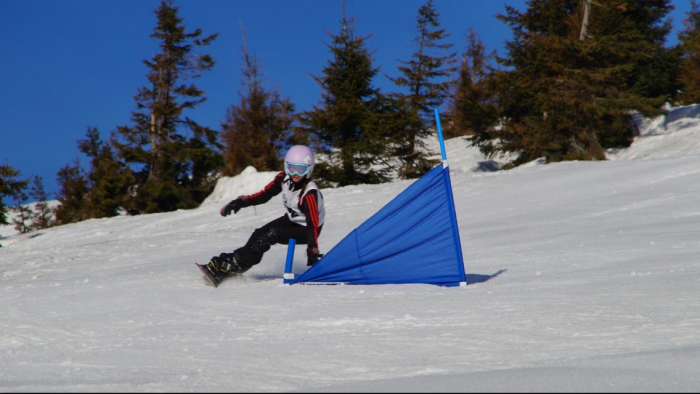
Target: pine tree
(258, 128)
(101, 191)
(72, 193)
(656, 67)
(174, 171)
(690, 47)
(26, 218)
(10, 186)
(539, 90)
(427, 78)
(473, 109)
(42, 215)
(109, 180)
(565, 98)
(353, 125)
(628, 41)
(23, 213)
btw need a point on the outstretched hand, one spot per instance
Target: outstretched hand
(234, 206)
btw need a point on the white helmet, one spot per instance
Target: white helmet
(299, 160)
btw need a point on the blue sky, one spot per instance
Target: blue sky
(72, 64)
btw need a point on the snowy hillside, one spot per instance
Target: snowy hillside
(582, 276)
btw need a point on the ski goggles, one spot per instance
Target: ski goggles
(296, 169)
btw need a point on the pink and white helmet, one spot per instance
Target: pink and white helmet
(299, 160)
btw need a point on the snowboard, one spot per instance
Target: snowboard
(208, 277)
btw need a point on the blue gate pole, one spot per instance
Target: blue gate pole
(442, 141)
(288, 275)
(451, 204)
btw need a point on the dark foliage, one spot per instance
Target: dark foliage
(172, 169)
(73, 191)
(689, 38)
(426, 77)
(42, 215)
(567, 98)
(473, 108)
(259, 127)
(10, 186)
(354, 123)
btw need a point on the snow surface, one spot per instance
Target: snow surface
(583, 276)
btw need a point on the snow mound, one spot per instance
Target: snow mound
(249, 181)
(672, 135)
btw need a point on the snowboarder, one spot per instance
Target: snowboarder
(303, 221)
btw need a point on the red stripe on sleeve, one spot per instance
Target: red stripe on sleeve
(267, 190)
(313, 214)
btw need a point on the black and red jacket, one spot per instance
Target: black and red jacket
(303, 202)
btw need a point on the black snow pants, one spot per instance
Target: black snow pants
(278, 231)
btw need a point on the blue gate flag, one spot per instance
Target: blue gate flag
(412, 239)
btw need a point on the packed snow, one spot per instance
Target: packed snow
(582, 276)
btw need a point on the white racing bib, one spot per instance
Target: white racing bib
(292, 200)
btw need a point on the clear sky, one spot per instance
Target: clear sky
(72, 64)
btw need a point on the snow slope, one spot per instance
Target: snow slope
(583, 276)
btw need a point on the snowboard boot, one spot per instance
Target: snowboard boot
(225, 265)
(214, 271)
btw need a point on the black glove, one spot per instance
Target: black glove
(313, 256)
(234, 206)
